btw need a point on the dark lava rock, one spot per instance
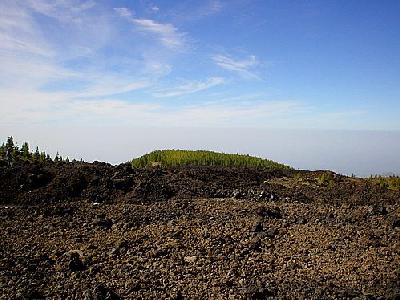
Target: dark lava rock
(71, 186)
(103, 223)
(177, 296)
(271, 213)
(58, 211)
(271, 232)
(236, 194)
(396, 222)
(395, 297)
(75, 263)
(200, 246)
(34, 181)
(33, 295)
(256, 245)
(301, 221)
(267, 195)
(379, 210)
(123, 184)
(64, 211)
(102, 292)
(259, 293)
(258, 227)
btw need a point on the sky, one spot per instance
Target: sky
(107, 69)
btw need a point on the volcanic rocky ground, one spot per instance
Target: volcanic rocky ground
(96, 231)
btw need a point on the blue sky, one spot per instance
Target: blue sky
(211, 64)
(238, 63)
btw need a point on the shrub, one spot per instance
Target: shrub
(386, 182)
(326, 179)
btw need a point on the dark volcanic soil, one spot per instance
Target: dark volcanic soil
(94, 231)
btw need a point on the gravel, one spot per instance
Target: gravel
(199, 249)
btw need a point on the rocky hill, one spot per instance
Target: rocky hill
(96, 231)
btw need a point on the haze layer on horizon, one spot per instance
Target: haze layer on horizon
(215, 65)
(362, 153)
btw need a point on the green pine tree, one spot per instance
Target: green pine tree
(57, 157)
(2, 151)
(42, 156)
(10, 143)
(36, 155)
(26, 155)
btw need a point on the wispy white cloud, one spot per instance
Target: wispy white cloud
(65, 10)
(35, 74)
(187, 12)
(36, 107)
(166, 33)
(23, 44)
(75, 24)
(214, 7)
(190, 87)
(32, 61)
(155, 8)
(19, 33)
(27, 72)
(124, 12)
(107, 87)
(262, 114)
(84, 6)
(244, 67)
(42, 108)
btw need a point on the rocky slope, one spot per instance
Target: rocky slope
(95, 231)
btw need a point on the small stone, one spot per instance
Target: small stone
(236, 194)
(177, 296)
(255, 244)
(396, 223)
(87, 295)
(104, 223)
(258, 227)
(190, 259)
(301, 221)
(271, 232)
